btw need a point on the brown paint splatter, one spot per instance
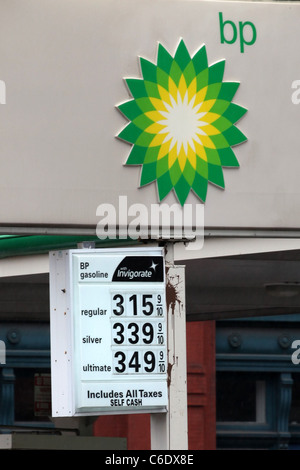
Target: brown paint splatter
(169, 374)
(172, 294)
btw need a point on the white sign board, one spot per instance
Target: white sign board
(108, 331)
(63, 71)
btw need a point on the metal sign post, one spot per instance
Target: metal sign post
(169, 430)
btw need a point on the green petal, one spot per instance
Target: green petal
(152, 90)
(151, 154)
(136, 87)
(130, 133)
(216, 72)
(200, 186)
(142, 122)
(234, 112)
(145, 104)
(200, 60)
(182, 56)
(189, 73)
(175, 73)
(202, 79)
(189, 173)
(219, 141)
(148, 173)
(164, 185)
(213, 91)
(234, 136)
(130, 109)
(164, 59)
(148, 70)
(220, 107)
(213, 157)
(162, 166)
(136, 156)
(222, 124)
(202, 167)
(182, 189)
(162, 78)
(228, 158)
(144, 139)
(175, 172)
(228, 90)
(215, 175)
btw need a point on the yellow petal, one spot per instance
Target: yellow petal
(200, 150)
(207, 142)
(206, 106)
(164, 149)
(157, 140)
(182, 88)
(172, 156)
(210, 130)
(192, 89)
(158, 104)
(192, 156)
(154, 128)
(173, 90)
(210, 117)
(165, 95)
(182, 158)
(200, 96)
(155, 116)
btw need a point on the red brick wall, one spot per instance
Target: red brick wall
(201, 361)
(136, 428)
(201, 398)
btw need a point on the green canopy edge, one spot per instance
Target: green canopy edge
(14, 245)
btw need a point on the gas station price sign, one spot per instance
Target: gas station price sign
(117, 338)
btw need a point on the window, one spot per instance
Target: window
(240, 398)
(32, 395)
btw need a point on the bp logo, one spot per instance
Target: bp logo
(182, 123)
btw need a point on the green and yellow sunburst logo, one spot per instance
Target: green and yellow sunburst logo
(182, 123)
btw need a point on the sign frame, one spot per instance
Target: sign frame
(67, 355)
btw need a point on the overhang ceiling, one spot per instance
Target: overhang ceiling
(247, 285)
(216, 288)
